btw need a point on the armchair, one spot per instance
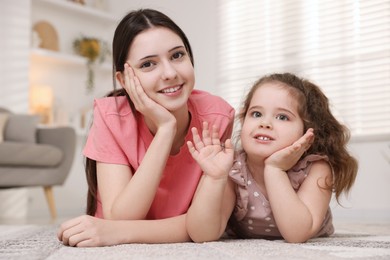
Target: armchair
(34, 156)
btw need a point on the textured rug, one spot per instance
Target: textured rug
(354, 242)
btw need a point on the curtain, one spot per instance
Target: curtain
(14, 54)
(343, 46)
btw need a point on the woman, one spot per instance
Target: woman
(141, 176)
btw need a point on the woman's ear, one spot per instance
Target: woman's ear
(119, 78)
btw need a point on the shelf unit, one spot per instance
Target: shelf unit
(64, 71)
(75, 7)
(43, 55)
(66, 6)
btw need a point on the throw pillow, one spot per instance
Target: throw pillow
(21, 128)
(3, 121)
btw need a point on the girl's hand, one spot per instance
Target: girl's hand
(214, 158)
(143, 103)
(286, 158)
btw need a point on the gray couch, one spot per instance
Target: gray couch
(31, 155)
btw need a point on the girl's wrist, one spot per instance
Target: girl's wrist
(217, 178)
(270, 168)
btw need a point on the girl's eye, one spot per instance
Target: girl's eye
(177, 55)
(256, 114)
(282, 117)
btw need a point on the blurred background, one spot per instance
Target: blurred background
(56, 58)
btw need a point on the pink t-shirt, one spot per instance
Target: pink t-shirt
(117, 137)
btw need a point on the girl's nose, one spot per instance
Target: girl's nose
(169, 71)
(265, 124)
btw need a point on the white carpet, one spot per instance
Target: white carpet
(350, 242)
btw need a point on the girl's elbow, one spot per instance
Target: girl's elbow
(203, 239)
(296, 240)
(201, 236)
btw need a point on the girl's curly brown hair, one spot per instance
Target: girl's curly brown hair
(331, 137)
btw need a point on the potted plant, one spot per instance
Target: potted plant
(94, 50)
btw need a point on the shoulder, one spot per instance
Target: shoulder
(321, 168)
(312, 165)
(113, 114)
(206, 103)
(320, 175)
(117, 106)
(306, 162)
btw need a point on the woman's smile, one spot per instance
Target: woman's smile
(171, 90)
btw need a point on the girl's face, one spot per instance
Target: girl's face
(163, 66)
(272, 121)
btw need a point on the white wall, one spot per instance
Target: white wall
(14, 29)
(369, 198)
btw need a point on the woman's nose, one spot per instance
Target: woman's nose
(169, 71)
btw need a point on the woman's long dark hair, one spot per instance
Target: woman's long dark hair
(129, 27)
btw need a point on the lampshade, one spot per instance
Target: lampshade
(41, 96)
(41, 102)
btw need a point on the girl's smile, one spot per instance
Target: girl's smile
(263, 138)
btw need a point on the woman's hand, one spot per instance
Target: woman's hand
(286, 158)
(214, 158)
(143, 103)
(88, 231)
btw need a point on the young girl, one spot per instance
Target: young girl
(140, 173)
(271, 195)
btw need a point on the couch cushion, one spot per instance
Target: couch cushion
(21, 128)
(28, 154)
(3, 120)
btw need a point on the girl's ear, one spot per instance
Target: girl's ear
(119, 78)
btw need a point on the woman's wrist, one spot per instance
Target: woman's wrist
(168, 130)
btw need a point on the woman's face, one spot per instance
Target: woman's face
(163, 66)
(272, 121)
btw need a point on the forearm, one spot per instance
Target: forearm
(169, 230)
(87, 231)
(145, 180)
(293, 218)
(205, 217)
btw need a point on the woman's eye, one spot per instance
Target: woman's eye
(145, 65)
(177, 55)
(282, 117)
(256, 114)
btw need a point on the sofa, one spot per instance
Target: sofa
(32, 155)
